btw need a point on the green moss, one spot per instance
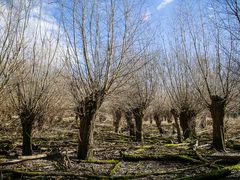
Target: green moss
(173, 156)
(234, 167)
(115, 167)
(141, 149)
(176, 145)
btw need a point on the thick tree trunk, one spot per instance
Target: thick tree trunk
(175, 116)
(158, 122)
(117, 114)
(85, 139)
(27, 136)
(187, 123)
(130, 124)
(138, 116)
(86, 112)
(217, 109)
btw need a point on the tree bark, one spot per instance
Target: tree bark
(86, 112)
(117, 114)
(158, 122)
(102, 118)
(217, 109)
(175, 116)
(27, 136)
(138, 116)
(130, 124)
(187, 123)
(85, 139)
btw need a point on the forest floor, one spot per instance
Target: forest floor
(117, 156)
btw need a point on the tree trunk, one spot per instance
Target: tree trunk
(138, 116)
(187, 123)
(158, 122)
(175, 116)
(27, 137)
(87, 114)
(130, 124)
(116, 120)
(217, 109)
(85, 139)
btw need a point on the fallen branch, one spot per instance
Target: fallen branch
(32, 157)
(115, 167)
(228, 157)
(20, 173)
(111, 161)
(24, 158)
(211, 175)
(174, 157)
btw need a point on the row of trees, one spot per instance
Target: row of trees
(102, 50)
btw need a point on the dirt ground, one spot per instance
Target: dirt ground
(117, 156)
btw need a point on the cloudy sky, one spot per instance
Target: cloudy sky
(158, 12)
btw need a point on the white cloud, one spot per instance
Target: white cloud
(146, 16)
(163, 4)
(41, 26)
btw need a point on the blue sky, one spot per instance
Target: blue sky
(159, 13)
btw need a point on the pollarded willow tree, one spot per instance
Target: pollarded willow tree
(177, 82)
(103, 46)
(34, 88)
(143, 88)
(212, 58)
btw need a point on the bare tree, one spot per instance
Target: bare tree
(227, 12)
(14, 16)
(213, 58)
(102, 39)
(179, 87)
(33, 89)
(226, 16)
(159, 109)
(143, 87)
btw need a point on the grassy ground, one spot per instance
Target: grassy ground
(117, 156)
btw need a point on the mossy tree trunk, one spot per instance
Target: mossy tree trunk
(130, 124)
(217, 109)
(86, 112)
(187, 123)
(138, 117)
(158, 121)
(117, 115)
(175, 116)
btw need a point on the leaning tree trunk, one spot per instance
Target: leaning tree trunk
(187, 123)
(158, 121)
(138, 116)
(117, 114)
(27, 125)
(130, 124)
(175, 116)
(86, 112)
(217, 109)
